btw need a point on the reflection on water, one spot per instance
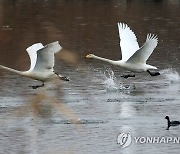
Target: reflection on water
(97, 98)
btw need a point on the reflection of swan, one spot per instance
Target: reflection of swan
(171, 123)
(133, 57)
(42, 63)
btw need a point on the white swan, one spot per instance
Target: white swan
(133, 57)
(42, 63)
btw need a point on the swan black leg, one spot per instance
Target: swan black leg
(61, 77)
(153, 73)
(37, 86)
(128, 75)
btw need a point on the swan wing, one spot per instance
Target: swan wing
(32, 52)
(128, 41)
(142, 55)
(45, 56)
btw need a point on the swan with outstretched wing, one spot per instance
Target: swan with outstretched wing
(42, 63)
(133, 57)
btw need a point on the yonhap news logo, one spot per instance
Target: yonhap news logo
(125, 139)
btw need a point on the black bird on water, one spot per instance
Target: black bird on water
(171, 123)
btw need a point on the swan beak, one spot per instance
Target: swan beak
(87, 56)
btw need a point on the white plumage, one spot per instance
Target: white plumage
(133, 57)
(32, 52)
(128, 41)
(42, 63)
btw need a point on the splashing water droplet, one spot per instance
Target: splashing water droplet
(171, 74)
(110, 79)
(111, 83)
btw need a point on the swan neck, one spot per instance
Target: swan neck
(104, 59)
(10, 69)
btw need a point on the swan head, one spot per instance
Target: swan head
(90, 56)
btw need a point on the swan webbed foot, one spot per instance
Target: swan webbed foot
(127, 75)
(37, 86)
(153, 73)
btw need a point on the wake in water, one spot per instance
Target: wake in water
(171, 75)
(111, 83)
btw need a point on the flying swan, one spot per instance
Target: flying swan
(133, 57)
(42, 63)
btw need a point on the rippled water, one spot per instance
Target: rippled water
(86, 114)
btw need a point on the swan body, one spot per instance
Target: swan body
(42, 63)
(133, 57)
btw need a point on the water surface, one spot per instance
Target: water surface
(87, 114)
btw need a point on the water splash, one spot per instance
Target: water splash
(171, 75)
(112, 84)
(110, 79)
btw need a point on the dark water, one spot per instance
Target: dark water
(87, 114)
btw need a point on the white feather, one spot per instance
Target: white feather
(142, 55)
(45, 56)
(128, 41)
(133, 57)
(32, 52)
(42, 62)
